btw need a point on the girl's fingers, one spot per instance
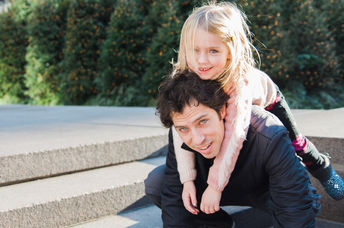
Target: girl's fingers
(188, 206)
(209, 209)
(193, 200)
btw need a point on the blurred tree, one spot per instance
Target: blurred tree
(122, 54)
(165, 42)
(22, 8)
(86, 23)
(46, 28)
(316, 61)
(13, 43)
(334, 17)
(266, 22)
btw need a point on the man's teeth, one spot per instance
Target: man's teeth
(206, 147)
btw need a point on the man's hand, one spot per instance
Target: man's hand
(210, 202)
(189, 197)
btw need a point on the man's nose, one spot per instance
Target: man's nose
(197, 137)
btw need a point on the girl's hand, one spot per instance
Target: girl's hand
(210, 200)
(189, 197)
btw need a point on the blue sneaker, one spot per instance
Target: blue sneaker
(329, 179)
(334, 185)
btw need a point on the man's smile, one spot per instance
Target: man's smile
(205, 150)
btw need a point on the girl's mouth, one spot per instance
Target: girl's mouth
(204, 69)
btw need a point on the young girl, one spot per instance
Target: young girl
(215, 44)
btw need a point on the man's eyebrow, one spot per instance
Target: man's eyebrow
(196, 120)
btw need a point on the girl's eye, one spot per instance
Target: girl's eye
(213, 51)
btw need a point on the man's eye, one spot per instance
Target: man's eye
(182, 129)
(203, 122)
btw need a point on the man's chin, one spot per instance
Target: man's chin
(207, 155)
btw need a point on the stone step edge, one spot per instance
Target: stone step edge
(71, 199)
(30, 166)
(79, 208)
(332, 146)
(111, 220)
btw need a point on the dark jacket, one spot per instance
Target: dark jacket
(267, 175)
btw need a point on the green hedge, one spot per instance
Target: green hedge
(85, 33)
(267, 23)
(163, 47)
(13, 43)
(122, 55)
(108, 52)
(46, 29)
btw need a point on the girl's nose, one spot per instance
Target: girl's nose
(202, 57)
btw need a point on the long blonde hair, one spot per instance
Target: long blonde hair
(227, 22)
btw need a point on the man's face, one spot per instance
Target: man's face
(201, 128)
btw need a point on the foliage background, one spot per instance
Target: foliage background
(116, 52)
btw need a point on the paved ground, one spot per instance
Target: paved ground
(329, 123)
(42, 128)
(149, 217)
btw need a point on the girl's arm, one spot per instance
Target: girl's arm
(237, 120)
(185, 159)
(257, 88)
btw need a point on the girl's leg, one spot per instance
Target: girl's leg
(317, 164)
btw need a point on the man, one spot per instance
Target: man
(267, 174)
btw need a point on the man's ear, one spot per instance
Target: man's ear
(223, 112)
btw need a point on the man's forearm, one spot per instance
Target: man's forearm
(173, 212)
(294, 202)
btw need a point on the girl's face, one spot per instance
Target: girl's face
(209, 57)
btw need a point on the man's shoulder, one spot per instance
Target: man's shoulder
(265, 123)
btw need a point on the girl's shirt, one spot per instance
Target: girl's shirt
(255, 89)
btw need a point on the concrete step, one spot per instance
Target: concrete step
(74, 198)
(334, 147)
(144, 217)
(40, 141)
(150, 217)
(325, 129)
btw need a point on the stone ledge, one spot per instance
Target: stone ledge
(74, 198)
(332, 146)
(28, 166)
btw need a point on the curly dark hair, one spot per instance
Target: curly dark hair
(183, 88)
